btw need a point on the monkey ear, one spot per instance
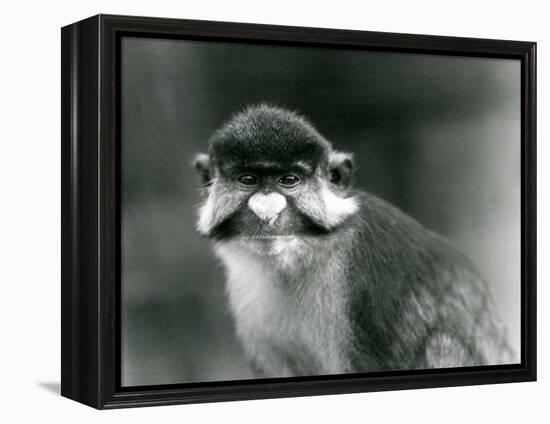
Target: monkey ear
(202, 164)
(340, 169)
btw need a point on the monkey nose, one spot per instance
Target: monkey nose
(267, 207)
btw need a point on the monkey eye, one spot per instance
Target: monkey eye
(290, 180)
(247, 179)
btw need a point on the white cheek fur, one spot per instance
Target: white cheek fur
(206, 215)
(325, 207)
(337, 209)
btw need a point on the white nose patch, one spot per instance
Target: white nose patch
(267, 206)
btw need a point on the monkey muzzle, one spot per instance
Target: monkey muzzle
(267, 207)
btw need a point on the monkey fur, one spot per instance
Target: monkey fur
(326, 279)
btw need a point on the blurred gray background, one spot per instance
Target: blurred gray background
(438, 136)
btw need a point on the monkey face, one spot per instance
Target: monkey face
(258, 202)
(268, 176)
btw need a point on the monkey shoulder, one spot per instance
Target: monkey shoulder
(415, 300)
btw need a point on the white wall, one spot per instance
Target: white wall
(29, 233)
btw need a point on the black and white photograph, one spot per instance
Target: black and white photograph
(274, 212)
(292, 211)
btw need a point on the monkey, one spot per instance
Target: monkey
(324, 278)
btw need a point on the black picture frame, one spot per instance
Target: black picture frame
(90, 183)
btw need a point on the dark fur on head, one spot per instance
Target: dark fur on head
(268, 134)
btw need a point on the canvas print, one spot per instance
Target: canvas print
(291, 211)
